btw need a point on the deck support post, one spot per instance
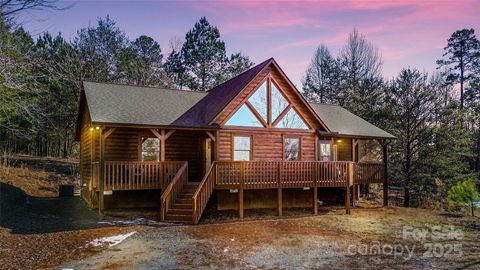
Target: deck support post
(355, 194)
(240, 191)
(315, 199)
(240, 203)
(279, 202)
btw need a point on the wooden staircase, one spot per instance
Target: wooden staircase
(181, 210)
(184, 201)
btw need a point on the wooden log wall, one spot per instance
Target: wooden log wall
(267, 144)
(86, 150)
(186, 145)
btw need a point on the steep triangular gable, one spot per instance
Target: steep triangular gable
(292, 110)
(207, 109)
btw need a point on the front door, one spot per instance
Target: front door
(207, 146)
(326, 151)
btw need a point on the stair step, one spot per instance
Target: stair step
(192, 184)
(184, 196)
(182, 205)
(179, 211)
(184, 201)
(179, 218)
(188, 190)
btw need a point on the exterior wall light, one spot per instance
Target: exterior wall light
(97, 128)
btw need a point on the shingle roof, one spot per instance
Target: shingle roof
(343, 122)
(218, 97)
(124, 104)
(148, 106)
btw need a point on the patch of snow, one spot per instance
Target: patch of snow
(110, 240)
(225, 250)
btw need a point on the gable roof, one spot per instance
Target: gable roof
(115, 104)
(218, 97)
(125, 104)
(340, 120)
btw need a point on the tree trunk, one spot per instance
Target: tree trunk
(406, 199)
(473, 209)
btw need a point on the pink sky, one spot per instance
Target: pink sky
(407, 33)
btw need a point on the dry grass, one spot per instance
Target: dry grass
(38, 251)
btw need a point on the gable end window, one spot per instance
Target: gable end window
(267, 107)
(291, 148)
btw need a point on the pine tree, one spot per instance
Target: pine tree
(204, 56)
(99, 49)
(462, 50)
(141, 63)
(409, 102)
(321, 79)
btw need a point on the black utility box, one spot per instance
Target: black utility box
(65, 191)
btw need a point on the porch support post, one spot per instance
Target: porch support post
(347, 189)
(385, 173)
(162, 136)
(315, 199)
(215, 146)
(355, 188)
(101, 201)
(279, 202)
(101, 182)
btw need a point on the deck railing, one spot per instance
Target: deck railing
(368, 173)
(137, 175)
(281, 174)
(203, 193)
(173, 189)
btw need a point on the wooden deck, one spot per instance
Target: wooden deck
(172, 177)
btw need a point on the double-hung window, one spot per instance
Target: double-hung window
(242, 148)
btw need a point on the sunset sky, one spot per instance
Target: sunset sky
(407, 33)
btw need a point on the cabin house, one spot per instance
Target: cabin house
(250, 142)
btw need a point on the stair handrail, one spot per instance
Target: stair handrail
(172, 190)
(203, 193)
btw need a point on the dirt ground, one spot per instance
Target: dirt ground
(39, 176)
(329, 241)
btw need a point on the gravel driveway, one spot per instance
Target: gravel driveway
(307, 242)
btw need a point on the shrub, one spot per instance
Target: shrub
(463, 194)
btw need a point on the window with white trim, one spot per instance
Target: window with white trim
(242, 148)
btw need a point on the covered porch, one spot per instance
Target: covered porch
(187, 171)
